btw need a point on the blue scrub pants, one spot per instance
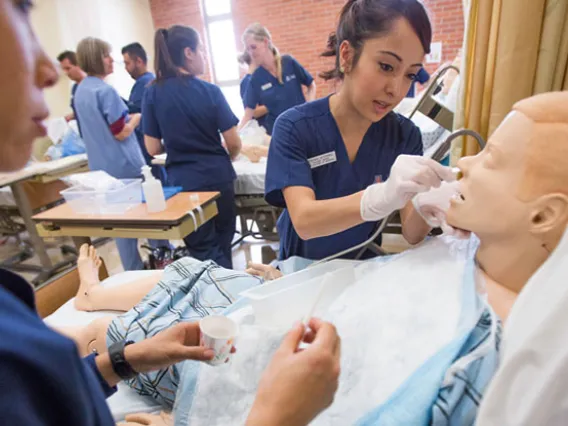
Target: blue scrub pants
(212, 241)
(129, 254)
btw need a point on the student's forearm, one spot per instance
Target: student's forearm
(260, 111)
(129, 127)
(312, 92)
(105, 368)
(321, 218)
(249, 113)
(414, 228)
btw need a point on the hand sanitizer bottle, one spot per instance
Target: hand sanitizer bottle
(153, 191)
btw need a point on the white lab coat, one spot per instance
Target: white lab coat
(531, 385)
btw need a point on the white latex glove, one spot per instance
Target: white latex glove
(410, 175)
(434, 204)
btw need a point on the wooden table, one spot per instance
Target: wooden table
(174, 223)
(41, 172)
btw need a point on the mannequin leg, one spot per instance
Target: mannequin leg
(90, 338)
(94, 297)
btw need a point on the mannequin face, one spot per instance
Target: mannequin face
(490, 206)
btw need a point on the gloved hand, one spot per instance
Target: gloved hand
(410, 175)
(434, 204)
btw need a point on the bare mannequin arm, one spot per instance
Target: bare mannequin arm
(319, 218)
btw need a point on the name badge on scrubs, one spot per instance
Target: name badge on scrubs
(322, 160)
(266, 86)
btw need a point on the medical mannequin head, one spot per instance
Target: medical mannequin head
(516, 189)
(94, 56)
(178, 52)
(379, 47)
(22, 79)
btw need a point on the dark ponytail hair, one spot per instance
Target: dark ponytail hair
(169, 46)
(361, 20)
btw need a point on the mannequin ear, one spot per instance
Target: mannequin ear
(549, 213)
(346, 54)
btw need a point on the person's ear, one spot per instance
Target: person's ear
(188, 54)
(549, 213)
(346, 54)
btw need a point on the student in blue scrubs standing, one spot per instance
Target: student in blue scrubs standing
(260, 111)
(136, 65)
(340, 164)
(277, 82)
(71, 68)
(190, 115)
(107, 129)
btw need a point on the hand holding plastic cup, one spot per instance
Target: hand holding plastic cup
(218, 333)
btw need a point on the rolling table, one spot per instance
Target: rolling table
(41, 172)
(181, 217)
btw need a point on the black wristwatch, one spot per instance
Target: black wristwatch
(119, 364)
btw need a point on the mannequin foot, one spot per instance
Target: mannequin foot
(88, 265)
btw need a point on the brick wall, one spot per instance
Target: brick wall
(301, 27)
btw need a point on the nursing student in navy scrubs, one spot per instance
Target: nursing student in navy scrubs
(277, 82)
(340, 164)
(190, 115)
(260, 111)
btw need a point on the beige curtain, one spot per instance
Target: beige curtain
(512, 50)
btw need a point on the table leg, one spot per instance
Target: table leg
(26, 212)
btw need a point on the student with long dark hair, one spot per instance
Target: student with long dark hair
(340, 164)
(190, 115)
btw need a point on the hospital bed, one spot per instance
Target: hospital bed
(28, 191)
(125, 401)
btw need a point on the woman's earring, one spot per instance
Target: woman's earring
(342, 69)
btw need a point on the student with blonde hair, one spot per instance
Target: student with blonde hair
(278, 80)
(260, 111)
(107, 128)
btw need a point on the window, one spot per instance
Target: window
(221, 38)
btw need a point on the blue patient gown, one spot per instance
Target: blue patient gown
(98, 106)
(191, 290)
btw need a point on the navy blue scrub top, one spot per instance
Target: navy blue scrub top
(307, 150)
(189, 114)
(135, 106)
(265, 89)
(244, 87)
(43, 381)
(421, 77)
(73, 91)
